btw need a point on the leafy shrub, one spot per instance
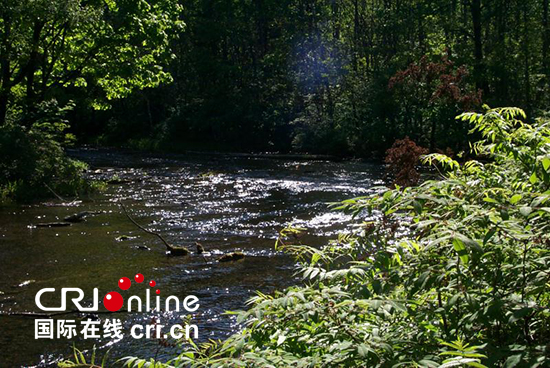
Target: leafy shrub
(33, 160)
(80, 360)
(402, 159)
(455, 272)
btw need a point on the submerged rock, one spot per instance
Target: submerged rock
(208, 174)
(142, 247)
(178, 251)
(231, 257)
(124, 238)
(77, 217)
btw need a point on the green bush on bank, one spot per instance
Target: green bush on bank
(34, 164)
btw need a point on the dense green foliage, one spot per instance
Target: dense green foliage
(33, 161)
(54, 53)
(454, 272)
(92, 51)
(339, 76)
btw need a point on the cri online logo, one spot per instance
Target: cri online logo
(113, 301)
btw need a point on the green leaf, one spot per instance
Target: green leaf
(513, 361)
(364, 350)
(461, 250)
(417, 207)
(451, 302)
(488, 236)
(519, 314)
(472, 244)
(489, 200)
(516, 198)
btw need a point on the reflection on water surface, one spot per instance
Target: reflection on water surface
(226, 203)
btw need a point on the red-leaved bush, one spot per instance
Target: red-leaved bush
(444, 82)
(402, 159)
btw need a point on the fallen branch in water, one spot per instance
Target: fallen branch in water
(53, 224)
(54, 193)
(80, 216)
(174, 250)
(200, 251)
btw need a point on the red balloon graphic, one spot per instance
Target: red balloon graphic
(124, 283)
(158, 291)
(113, 301)
(139, 278)
(152, 283)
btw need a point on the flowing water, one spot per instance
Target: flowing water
(227, 203)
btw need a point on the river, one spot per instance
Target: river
(227, 203)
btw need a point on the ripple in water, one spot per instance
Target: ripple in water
(226, 203)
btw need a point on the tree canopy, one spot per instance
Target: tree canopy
(107, 49)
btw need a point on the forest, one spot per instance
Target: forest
(340, 77)
(446, 263)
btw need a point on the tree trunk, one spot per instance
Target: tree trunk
(355, 33)
(3, 107)
(31, 68)
(527, 64)
(545, 38)
(478, 44)
(149, 113)
(261, 24)
(336, 19)
(5, 72)
(432, 135)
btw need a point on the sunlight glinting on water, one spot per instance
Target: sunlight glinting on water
(227, 204)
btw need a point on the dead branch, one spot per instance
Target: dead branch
(173, 249)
